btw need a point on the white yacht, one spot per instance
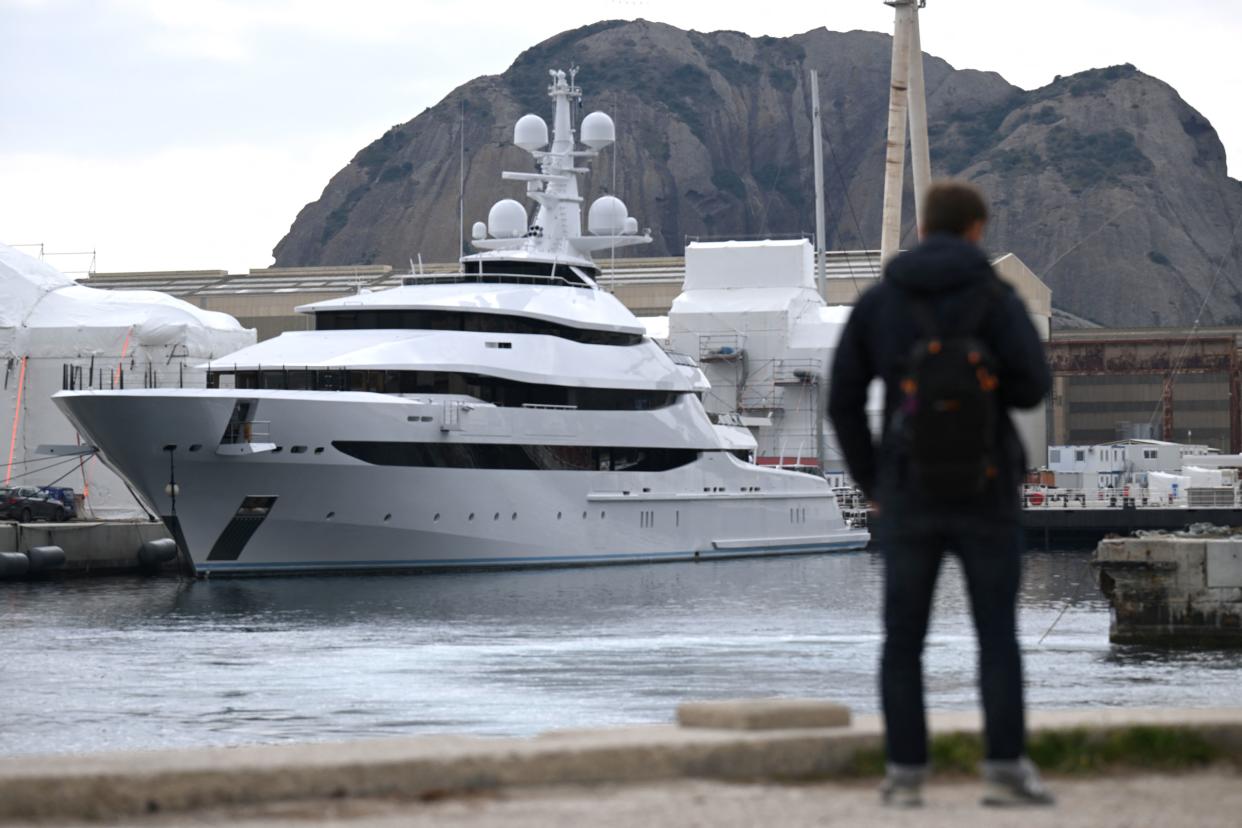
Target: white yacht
(514, 414)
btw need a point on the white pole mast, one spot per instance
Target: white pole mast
(920, 157)
(895, 151)
(818, 155)
(461, 180)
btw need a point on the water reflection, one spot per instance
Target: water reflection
(151, 663)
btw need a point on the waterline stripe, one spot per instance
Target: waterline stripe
(544, 559)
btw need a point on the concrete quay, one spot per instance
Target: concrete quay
(330, 780)
(91, 547)
(1182, 590)
(1210, 799)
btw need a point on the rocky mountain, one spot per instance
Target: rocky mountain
(1106, 183)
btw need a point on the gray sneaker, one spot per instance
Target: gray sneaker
(903, 786)
(1014, 783)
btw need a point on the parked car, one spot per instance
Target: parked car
(29, 503)
(67, 497)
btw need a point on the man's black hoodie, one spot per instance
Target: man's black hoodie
(945, 271)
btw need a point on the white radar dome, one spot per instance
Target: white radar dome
(631, 226)
(478, 230)
(506, 219)
(607, 216)
(598, 130)
(530, 132)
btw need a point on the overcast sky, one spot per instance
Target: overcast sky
(187, 134)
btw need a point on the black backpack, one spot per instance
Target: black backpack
(949, 410)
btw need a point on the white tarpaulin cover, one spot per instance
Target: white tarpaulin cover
(1201, 478)
(1164, 486)
(54, 331)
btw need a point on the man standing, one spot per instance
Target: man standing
(955, 349)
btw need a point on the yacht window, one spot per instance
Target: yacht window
(523, 457)
(500, 392)
(476, 321)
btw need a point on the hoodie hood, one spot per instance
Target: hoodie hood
(940, 264)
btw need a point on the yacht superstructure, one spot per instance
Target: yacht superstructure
(513, 414)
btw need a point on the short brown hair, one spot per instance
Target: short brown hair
(953, 207)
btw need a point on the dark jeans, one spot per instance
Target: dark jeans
(990, 555)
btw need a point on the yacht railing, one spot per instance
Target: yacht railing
(89, 374)
(248, 431)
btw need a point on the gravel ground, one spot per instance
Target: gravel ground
(1208, 799)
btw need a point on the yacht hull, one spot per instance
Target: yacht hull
(310, 507)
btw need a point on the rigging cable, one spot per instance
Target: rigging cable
(60, 461)
(849, 203)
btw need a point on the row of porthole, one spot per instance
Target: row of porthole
(277, 450)
(297, 450)
(496, 516)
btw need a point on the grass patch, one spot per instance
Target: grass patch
(967, 134)
(339, 217)
(782, 79)
(1087, 159)
(396, 172)
(1153, 748)
(721, 59)
(378, 152)
(1023, 161)
(1069, 752)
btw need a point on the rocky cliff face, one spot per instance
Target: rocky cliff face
(1106, 183)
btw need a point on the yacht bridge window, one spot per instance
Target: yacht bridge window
(511, 267)
(482, 322)
(498, 271)
(500, 392)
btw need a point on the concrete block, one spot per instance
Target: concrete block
(763, 714)
(1224, 563)
(93, 546)
(8, 537)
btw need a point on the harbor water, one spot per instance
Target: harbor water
(121, 663)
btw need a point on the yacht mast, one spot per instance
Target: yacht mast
(555, 234)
